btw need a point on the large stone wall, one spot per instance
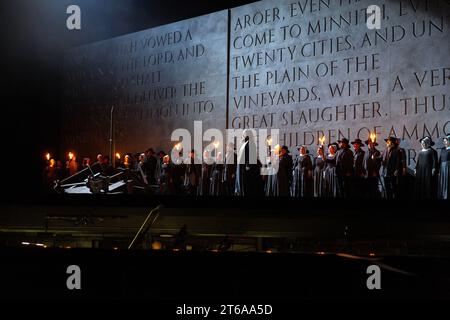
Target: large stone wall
(313, 68)
(310, 68)
(157, 80)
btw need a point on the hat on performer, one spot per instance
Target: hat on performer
(344, 140)
(285, 148)
(358, 141)
(391, 139)
(427, 138)
(334, 144)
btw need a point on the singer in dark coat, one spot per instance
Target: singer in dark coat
(217, 187)
(279, 183)
(179, 171)
(426, 170)
(50, 174)
(248, 178)
(302, 181)
(205, 179)
(344, 168)
(359, 173)
(149, 166)
(372, 165)
(166, 177)
(319, 168)
(192, 174)
(229, 171)
(331, 185)
(391, 168)
(403, 178)
(159, 161)
(444, 171)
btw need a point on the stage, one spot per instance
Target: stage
(263, 224)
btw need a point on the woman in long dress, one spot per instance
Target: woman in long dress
(271, 181)
(331, 185)
(280, 172)
(302, 182)
(444, 171)
(426, 170)
(319, 167)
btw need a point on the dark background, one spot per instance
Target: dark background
(34, 39)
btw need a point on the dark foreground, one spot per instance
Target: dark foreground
(210, 277)
(216, 251)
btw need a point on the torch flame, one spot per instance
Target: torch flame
(373, 136)
(216, 144)
(269, 141)
(118, 155)
(178, 146)
(322, 140)
(47, 156)
(71, 155)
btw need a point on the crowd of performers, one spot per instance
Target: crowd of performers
(336, 171)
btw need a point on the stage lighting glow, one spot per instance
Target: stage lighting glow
(26, 243)
(156, 245)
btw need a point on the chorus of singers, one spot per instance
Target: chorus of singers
(336, 171)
